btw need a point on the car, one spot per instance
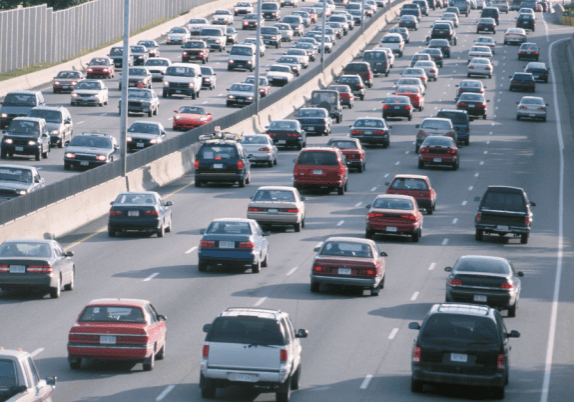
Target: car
(502, 5)
(472, 342)
(349, 261)
(362, 69)
(250, 21)
(28, 136)
(390, 54)
(195, 25)
(190, 117)
(514, 35)
(345, 94)
(394, 42)
(292, 62)
(417, 186)
(479, 51)
(403, 31)
(139, 77)
(287, 133)
(305, 16)
(277, 206)
(337, 27)
(352, 151)
(90, 150)
(321, 167)
(271, 11)
(355, 82)
(296, 22)
(474, 104)
(529, 51)
(90, 92)
(253, 41)
(394, 214)
(151, 46)
(142, 211)
(436, 55)
(453, 10)
(423, 5)
(100, 67)
(264, 87)
(58, 122)
(486, 25)
(411, 9)
(450, 17)
(222, 161)
(488, 280)
(473, 86)
(140, 54)
(315, 120)
(526, 21)
(16, 181)
(117, 55)
(539, 71)
(522, 82)
(531, 107)
(309, 48)
(442, 44)
(157, 67)
(301, 56)
(233, 242)
(66, 80)
(36, 265)
(434, 126)
(118, 330)
(414, 94)
(143, 134)
(260, 343)
(273, 36)
(409, 22)
(241, 94)
(208, 78)
(397, 107)
(141, 101)
(178, 35)
(460, 122)
(443, 30)
(260, 149)
(480, 66)
(379, 61)
(313, 14)
(412, 72)
(243, 7)
(222, 17)
(429, 67)
(340, 19)
(486, 41)
(438, 150)
(420, 57)
(416, 82)
(280, 75)
(195, 51)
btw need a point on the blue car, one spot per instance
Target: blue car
(233, 242)
(142, 211)
(460, 121)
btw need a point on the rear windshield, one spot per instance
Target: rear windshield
(375, 56)
(283, 125)
(435, 141)
(499, 201)
(328, 97)
(409, 184)
(247, 330)
(91, 142)
(343, 144)
(318, 159)
(254, 139)
(456, 118)
(436, 124)
(274, 195)
(348, 249)
(217, 152)
(482, 265)
(320, 113)
(113, 314)
(459, 328)
(393, 203)
(135, 199)
(7, 374)
(356, 67)
(230, 228)
(211, 32)
(25, 249)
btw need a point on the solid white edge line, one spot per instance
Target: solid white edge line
(37, 352)
(260, 301)
(414, 296)
(165, 392)
(554, 310)
(393, 333)
(292, 271)
(366, 381)
(149, 278)
(190, 250)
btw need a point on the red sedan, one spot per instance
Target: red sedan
(67, 80)
(414, 94)
(396, 215)
(349, 261)
(195, 50)
(345, 94)
(101, 67)
(417, 186)
(189, 117)
(438, 150)
(352, 150)
(118, 329)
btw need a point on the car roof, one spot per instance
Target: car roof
(351, 239)
(25, 118)
(483, 257)
(462, 309)
(395, 196)
(118, 302)
(140, 192)
(454, 111)
(335, 139)
(286, 188)
(370, 118)
(22, 92)
(19, 354)
(532, 97)
(95, 135)
(410, 176)
(253, 312)
(323, 148)
(438, 118)
(244, 220)
(9, 166)
(505, 189)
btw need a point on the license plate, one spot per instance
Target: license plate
(141, 144)
(310, 128)
(378, 64)
(500, 227)
(244, 377)
(472, 105)
(480, 298)
(437, 160)
(226, 244)
(133, 213)
(177, 91)
(536, 76)
(282, 142)
(110, 340)
(458, 357)
(17, 269)
(531, 115)
(85, 163)
(317, 172)
(391, 228)
(273, 211)
(218, 166)
(19, 149)
(368, 132)
(344, 271)
(66, 87)
(132, 84)
(397, 107)
(240, 100)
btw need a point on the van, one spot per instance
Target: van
(491, 12)
(362, 69)
(242, 56)
(182, 79)
(215, 37)
(18, 104)
(379, 61)
(462, 5)
(460, 121)
(271, 11)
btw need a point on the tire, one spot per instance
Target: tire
(467, 142)
(416, 236)
(111, 233)
(544, 119)
(4, 155)
(297, 227)
(296, 378)
(242, 183)
(45, 154)
(38, 155)
(208, 393)
(410, 117)
(76, 364)
(369, 233)
(270, 164)
(455, 165)
(150, 113)
(161, 231)
(430, 210)
(377, 290)
(201, 266)
(341, 190)
(55, 292)
(524, 238)
(478, 235)
(497, 392)
(315, 287)
(197, 183)
(161, 354)
(149, 363)
(512, 309)
(417, 147)
(362, 97)
(61, 144)
(483, 117)
(70, 286)
(421, 164)
(256, 268)
(285, 394)
(416, 386)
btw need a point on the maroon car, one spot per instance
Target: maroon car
(417, 186)
(394, 214)
(195, 50)
(321, 168)
(66, 81)
(101, 67)
(438, 150)
(362, 69)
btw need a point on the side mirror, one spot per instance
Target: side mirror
(414, 325)
(209, 113)
(181, 46)
(532, 203)
(488, 100)
(206, 328)
(266, 233)
(112, 203)
(202, 231)
(175, 111)
(303, 198)
(383, 254)
(168, 203)
(294, 160)
(368, 206)
(69, 254)
(51, 381)
(520, 274)
(418, 126)
(510, 76)
(302, 333)
(517, 103)
(228, 51)
(448, 269)
(513, 334)
(316, 249)
(162, 317)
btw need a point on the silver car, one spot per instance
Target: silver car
(430, 68)
(515, 35)
(90, 92)
(286, 32)
(260, 149)
(157, 67)
(404, 32)
(278, 205)
(532, 107)
(480, 66)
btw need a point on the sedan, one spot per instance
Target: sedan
(474, 104)
(438, 151)
(222, 17)
(417, 186)
(409, 22)
(486, 41)
(292, 62)
(412, 72)
(118, 330)
(352, 151)
(442, 44)
(143, 134)
(414, 93)
(522, 82)
(279, 75)
(349, 261)
(531, 107)
(66, 80)
(433, 126)
(315, 120)
(355, 82)
(141, 101)
(190, 117)
(139, 77)
(429, 67)
(450, 17)
(539, 71)
(473, 86)
(152, 47)
(277, 206)
(90, 92)
(479, 66)
(287, 133)
(479, 51)
(420, 57)
(345, 94)
(38, 265)
(436, 55)
(528, 51)
(486, 25)
(233, 242)
(514, 35)
(397, 106)
(264, 87)
(260, 149)
(209, 78)
(301, 55)
(484, 280)
(100, 67)
(372, 131)
(140, 211)
(396, 215)
(241, 94)
(403, 31)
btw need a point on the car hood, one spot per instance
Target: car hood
(87, 150)
(87, 91)
(240, 93)
(14, 185)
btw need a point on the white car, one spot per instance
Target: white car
(253, 41)
(532, 107)
(412, 72)
(243, 7)
(479, 51)
(222, 17)
(430, 68)
(526, 11)
(480, 4)
(279, 75)
(178, 35)
(514, 35)
(486, 41)
(394, 42)
(301, 55)
(480, 66)
(450, 17)
(157, 67)
(408, 81)
(194, 25)
(260, 149)
(90, 92)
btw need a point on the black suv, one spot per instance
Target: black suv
(26, 136)
(463, 344)
(443, 30)
(222, 161)
(538, 70)
(526, 21)
(522, 82)
(491, 12)
(90, 150)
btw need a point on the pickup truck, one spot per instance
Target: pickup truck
(504, 210)
(19, 379)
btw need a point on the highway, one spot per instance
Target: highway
(359, 347)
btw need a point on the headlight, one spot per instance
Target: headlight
(101, 157)
(231, 62)
(56, 82)
(230, 97)
(207, 79)
(165, 83)
(217, 41)
(8, 141)
(74, 83)
(274, 37)
(128, 139)
(140, 57)
(203, 119)
(70, 155)
(178, 117)
(74, 95)
(191, 84)
(155, 141)
(31, 142)
(22, 192)
(55, 132)
(90, 69)
(250, 98)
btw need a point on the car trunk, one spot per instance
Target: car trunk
(503, 218)
(481, 359)
(244, 357)
(318, 173)
(345, 266)
(481, 279)
(390, 217)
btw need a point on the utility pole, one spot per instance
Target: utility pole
(257, 51)
(363, 16)
(125, 85)
(323, 36)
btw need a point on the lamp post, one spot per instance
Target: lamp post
(125, 84)
(323, 36)
(363, 16)
(257, 57)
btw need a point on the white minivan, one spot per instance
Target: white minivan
(242, 56)
(182, 79)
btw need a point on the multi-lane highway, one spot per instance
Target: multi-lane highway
(359, 347)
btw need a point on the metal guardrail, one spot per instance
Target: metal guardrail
(60, 190)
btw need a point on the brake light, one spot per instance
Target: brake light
(462, 104)
(207, 243)
(528, 71)
(451, 151)
(417, 354)
(255, 209)
(240, 165)
(283, 355)
(541, 108)
(470, 67)
(501, 361)
(320, 270)
(375, 215)
(409, 217)
(265, 149)
(424, 150)
(196, 165)
(527, 220)
(386, 107)
(379, 132)
(4, 269)
(522, 107)
(455, 282)
(40, 269)
(246, 244)
(205, 352)
(478, 216)
(421, 133)
(481, 105)
(506, 285)
(488, 68)
(115, 213)
(408, 107)
(152, 212)
(290, 210)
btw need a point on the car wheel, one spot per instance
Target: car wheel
(524, 238)
(360, 169)
(55, 292)
(369, 233)
(421, 164)
(512, 309)
(410, 117)
(201, 266)
(544, 119)
(478, 236)
(168, 229)
(498, 392)
(315, 287)
(207, 392)
(150, 113)
(71, 285)
(297, 227)
(256, 267)
(341, 190)
(416, 235)
(149, 362)
(161, 231)
(164, 95)
(161, 354)
(45, 154)
(265, 262)
(76, 364)
(197, 183)
(242, 182)
(38, 155)
(416, 386)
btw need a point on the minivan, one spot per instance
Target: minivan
(460, 121)
(321, 168)
(491, 12)
(378, 60)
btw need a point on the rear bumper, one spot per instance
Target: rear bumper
(226, 257)
(396, 113)
(392, 229)
(134, 224)
(318, 184)
(218, 177)
(496, 299)
(274, 219)
(109, 352)
(433, 159)
(21, 281)
(490, 228)
(496, 380)
(287, 142)
(368, 283)
(225, 377)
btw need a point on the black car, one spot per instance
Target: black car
(486, 25)
(461, 344)
(250, 21)
(222, 161)
(443, 30)
(314, 120)
(491, 12)
(139, 77)
(436, 55)
(528, 50)
(355, 82)
(442, 44)
(26, 136)
(142, 211)
(484, 280)
(522, 82)
(141, 101)
(91, 150)
(287, 133)
(371, 131)
(526, 21)
(38, 265)
(538, 70)
(397, 106)
(143, 134)
(474, 104)
(473, 86)
(330, 101)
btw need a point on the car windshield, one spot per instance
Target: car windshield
(347, 249)
(89, 85)
(288, 60)
(241, 50)
(144, 128)
(218, 152)
(254, 139)
(304, 45)
(269, 6)
(484, 40)
(436, 125)
(502, 201)
(135, 199)
(138, 71)
(409, 184)
(262, 81)
(435, 141)
(116, 51)
(207, 71)
(23, 127)
(247, 330)
(68, 75)
(137, 49)
(192, 110)
(344, 144)
(231, 228)
(270, 30)
(180, 71)
(178, 30)
(393, 203)
(369, 123)
(318, 158)
(156, 62)
(297, 52)
(196, 44)
(283, 125)
(15, 174)
(455, 117)
(242, 87)
(490, 265)
(413, 71)
(274, 195)
(99, 62)
(250, 17)
(441, 26)
(375, 56)
(50, 116)
(211, 32)
(243, 5)
(139, 94)
(223, 12)
(25, 249)
(19, 100)
(458, 328)
(282, 69)
(91, 142)
(115, 314)
(198, 21)
(147, 43)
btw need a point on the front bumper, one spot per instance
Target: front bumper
(86, 101)
(179, 91)
(278, 81)
(140, 109)
(21, 149)
(496, 380)
(248, 65)
(84, 163)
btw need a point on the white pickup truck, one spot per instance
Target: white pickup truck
(20, 381)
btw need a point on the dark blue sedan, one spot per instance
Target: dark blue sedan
(234, 242)
(142, 211)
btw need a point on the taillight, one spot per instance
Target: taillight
(205, 352)
(478, 216)
(265, 149)
(417, 354)
(115, 213)
(207, 243)
(421, 133)
(522, 108)
(40, 269)
(375, 215)
(541, 108)
(409, 217)
(481, 105)
(408, 107)
(290, 210)
(424, 150)
(386, 107)
(196, 165)
(450, 134)
(451, 151)
(488, 68)
(455, 282)
(527, 220)
(320, 270)
(360, 131)
(240, 165)
(506, 285)
(255, 209)
(4, 269)
(246, 244)
(152, 212)
(528, 71)
(283, 355)
(462, 104)
(501, 361)
(379, 132)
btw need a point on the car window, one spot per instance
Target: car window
(7, 374)
(112, 314)
(458, 328)
(274, 195)
(147, 128)
(436, 125)
(249, 330)
(23, 127)
(435, 141)
(348, 249)
(233, 228)
(456, 118)
(25, 249)
(33, 371)
(15, 174)
(91, 142)
(408, 184)
(135, 199)
(218, 152)
(494, 266)
(501, 201)
(370, 123)
(318, 158)
(393, 203)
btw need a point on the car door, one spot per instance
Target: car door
(158, 325)
(60, 263)
(262, 243)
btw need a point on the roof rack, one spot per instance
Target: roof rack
(219, 135)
